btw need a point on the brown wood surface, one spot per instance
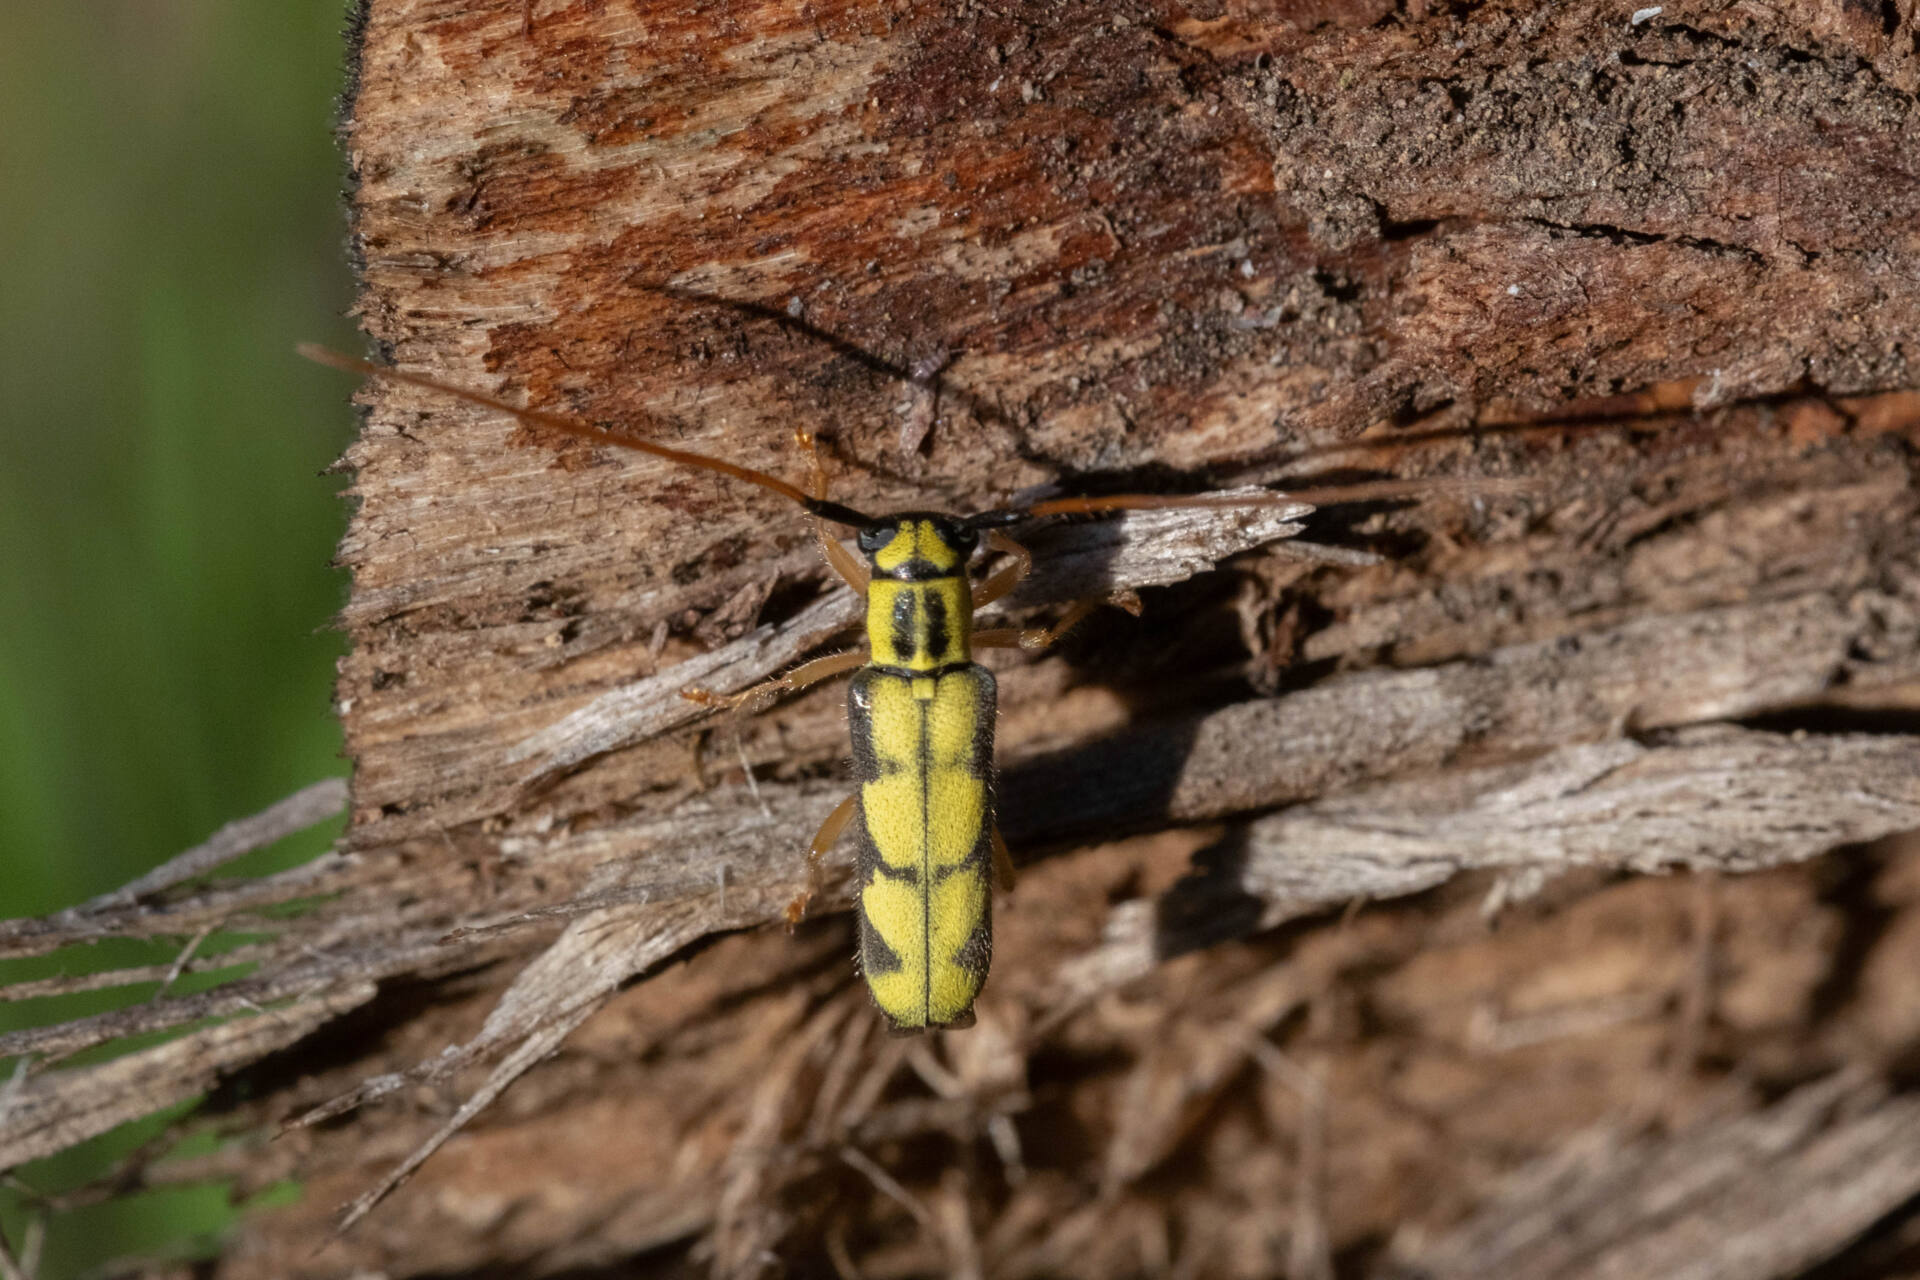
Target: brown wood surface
(1635, 296)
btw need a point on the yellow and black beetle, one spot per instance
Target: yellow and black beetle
(920, 709)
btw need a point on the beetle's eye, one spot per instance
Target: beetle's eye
(873, 537)
(964, 540)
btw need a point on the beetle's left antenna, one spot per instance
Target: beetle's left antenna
(584, 431)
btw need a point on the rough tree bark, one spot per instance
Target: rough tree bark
(1658, 272)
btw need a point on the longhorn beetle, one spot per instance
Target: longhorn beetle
(920, 709)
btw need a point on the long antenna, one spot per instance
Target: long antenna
(1322, 496)
(576, 428)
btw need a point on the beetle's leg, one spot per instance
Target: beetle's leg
(1035, 639)
(823, 840)
(801, 677)
(1002, 861)
(1006, 578)
(841, 560)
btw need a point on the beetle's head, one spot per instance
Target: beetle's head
(913, 546)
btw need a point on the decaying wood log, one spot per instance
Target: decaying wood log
(1766, 1194)
(1635, 295)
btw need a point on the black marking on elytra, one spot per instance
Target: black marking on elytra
(876, 957)
(977, 953)
(866, 764)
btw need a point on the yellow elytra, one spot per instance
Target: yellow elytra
(920, 710)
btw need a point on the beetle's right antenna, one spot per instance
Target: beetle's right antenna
(587, 431)
(1318, 496)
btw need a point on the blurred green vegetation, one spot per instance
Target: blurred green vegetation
(172, 225)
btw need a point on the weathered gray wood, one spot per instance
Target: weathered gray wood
(1756, 1197)
(53, 1111)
